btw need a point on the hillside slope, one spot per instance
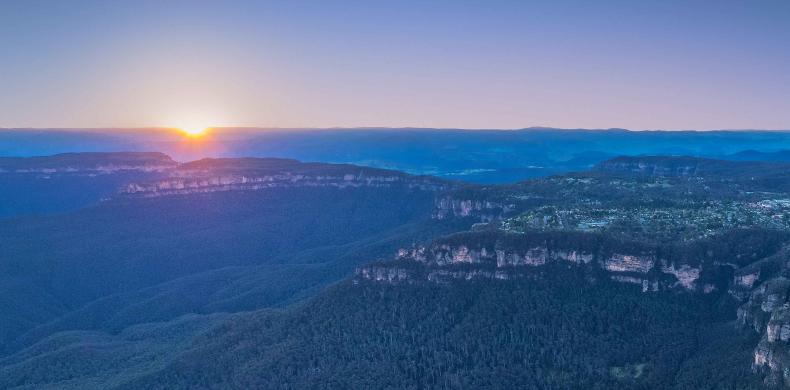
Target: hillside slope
(641, 273)
(213, 246)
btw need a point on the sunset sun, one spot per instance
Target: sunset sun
(193, 130)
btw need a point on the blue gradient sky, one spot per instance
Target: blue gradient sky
(468, 64)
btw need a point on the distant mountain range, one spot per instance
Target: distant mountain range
(754, 155)
(481, 156)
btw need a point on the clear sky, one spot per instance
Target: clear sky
(470, 64)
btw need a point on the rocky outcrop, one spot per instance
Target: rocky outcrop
(88, 163)
(772, 354)
(500, 257)
(192, 185)
(764, 290)
(482, 210)
(747, 279)
(646, 284)
(446, 275)
(506, 256)
(398, 273)
(209, 175)
(686, 276)
(383, 274)
(629, 263)
(762, 287)
(652, 166)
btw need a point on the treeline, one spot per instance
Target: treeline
(561, 332)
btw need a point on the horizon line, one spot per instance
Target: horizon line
(374, 128)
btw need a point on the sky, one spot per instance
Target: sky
(687, 64)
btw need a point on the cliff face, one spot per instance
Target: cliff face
(701, 193)
(496, 256)
(199, 183)
(64, 182)
(764, 290)
(481, 210)
(445, 254)
(654, 166)
(211, 175)
(87, 163)
(752, 174)
(255, 174)
(762, 287)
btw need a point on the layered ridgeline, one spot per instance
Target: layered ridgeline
(219, 175)
(41, 185)
(201, 237)
(64, 182)
(649, 272)
(480, 156)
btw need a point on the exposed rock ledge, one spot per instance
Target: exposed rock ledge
(484, 210)
(189, 185)
(100, 169)
(764, 290)
(440, 262)
(88, 163)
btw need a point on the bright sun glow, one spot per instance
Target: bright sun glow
(193, 130)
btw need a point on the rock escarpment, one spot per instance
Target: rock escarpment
(761, 287)
(216, 175)
(481, 210)
(497, 255)
(764, 290)
(655, 166)
(88, 163)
